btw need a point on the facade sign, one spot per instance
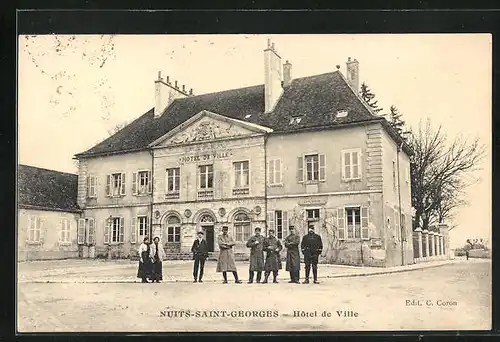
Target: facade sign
(205, 157)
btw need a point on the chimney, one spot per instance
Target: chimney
(272, 77)
(353, 73)
(287, 74)
(165, 94)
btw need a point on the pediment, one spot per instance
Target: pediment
(208, 126)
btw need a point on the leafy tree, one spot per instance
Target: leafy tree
(396, 121)
(369, 97)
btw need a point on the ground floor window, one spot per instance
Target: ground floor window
(34, 229)
(173, 229)
(242, 227)
(142, 222)
(64, 232)
(115, 230)
(353, 216)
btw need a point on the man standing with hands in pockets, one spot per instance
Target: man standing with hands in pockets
(311, 247)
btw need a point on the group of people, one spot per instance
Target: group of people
(151, 255)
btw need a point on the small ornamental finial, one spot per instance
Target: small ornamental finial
(338, 66)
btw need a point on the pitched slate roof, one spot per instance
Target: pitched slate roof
(47, 189)
(315, 98)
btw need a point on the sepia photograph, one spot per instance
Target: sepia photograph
(254, 183)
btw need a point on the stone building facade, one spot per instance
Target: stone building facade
(288, 152)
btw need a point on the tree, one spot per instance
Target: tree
(369, 98)
(440, 171)
(396, 121)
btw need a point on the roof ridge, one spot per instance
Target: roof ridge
(43, 168)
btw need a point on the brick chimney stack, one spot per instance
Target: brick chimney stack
(353, 73)
(287, 74)
(272, 77)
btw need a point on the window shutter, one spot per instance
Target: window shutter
(88, 187)
(277, 170)
(81, 231)
(358, 164)
(150, 182)
(270, 220)
(403, 226)
(300, 169)
(364, 223)
(133, 229)
(91, 234)
(40, 224)
(108, 185)
(134, 183)
(341, 223)
(284, 222)
(122, 190)
(93, 186)
(342, 163)
(322, 166)
(122, 228)
(396, 227)
(270, 166)
(107, 230)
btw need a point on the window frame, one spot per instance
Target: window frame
(272, 174)
(64, 230)
(144, 226)
(147, 187)
(91, 186)
(351, 165)
(353, 237)
(242, 172)
(120, 232)
(176, 229)
(176, 180)
(37, 228)
(206, 174)
(244, 226)
(122, 188)
(313, 171)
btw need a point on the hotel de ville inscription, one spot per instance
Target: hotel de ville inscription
(205, 156)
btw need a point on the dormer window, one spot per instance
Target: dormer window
(341, 114)
(295, 120)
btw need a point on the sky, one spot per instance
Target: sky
(72, 90)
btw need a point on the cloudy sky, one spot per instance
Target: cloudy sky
(73, 90)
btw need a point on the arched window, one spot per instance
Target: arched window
(242, 227)
(173, 229)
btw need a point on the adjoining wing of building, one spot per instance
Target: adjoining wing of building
(47, 214)
(287, 152)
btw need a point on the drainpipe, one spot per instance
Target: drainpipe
(265, 183)
(400, 213)
(151, 151)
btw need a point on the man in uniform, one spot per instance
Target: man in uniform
(273, 247)
(256, 255)
(311, 247)
(292, 242)
(226, 257)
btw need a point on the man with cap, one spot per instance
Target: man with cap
(311, 247)
(256, 255)
(273, 247)
(200, 254)
(292, 255)
(226, 258)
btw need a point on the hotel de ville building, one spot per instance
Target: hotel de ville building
(289, 152)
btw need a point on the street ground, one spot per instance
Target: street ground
(64, 296)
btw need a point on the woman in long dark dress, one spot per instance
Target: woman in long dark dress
(144, 270)
(157, 256)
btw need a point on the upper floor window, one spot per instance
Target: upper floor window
(115, 184)
(274, 171)
(241, 174)
(351, 164)
(34, 229)
(64, 231)
(173, 179)
(91, 186)
(314, 169)
(206, 176)
(141, 183)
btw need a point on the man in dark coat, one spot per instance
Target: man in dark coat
(256, 255)
(311, 247)
(200, 254)
(292, 242)
(272, 247)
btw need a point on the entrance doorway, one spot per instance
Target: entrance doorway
(209, 236)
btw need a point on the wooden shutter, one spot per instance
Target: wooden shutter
(322, 166)
(357, 161)
(342, 164)
(277, 170)
(91, 231)
(270, 220)
(134, 183)
(300, 169)
(40, 224)
(150, 182)
(133, 229)
(396, 226)
(284, 223)
(81, 231)
(341, 223)
(107, 229)
(122, 229)
(108, 185)
(365, 232)
(122, 189)
(88, 187)
(270, 169)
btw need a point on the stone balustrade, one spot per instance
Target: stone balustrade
(430, 245)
